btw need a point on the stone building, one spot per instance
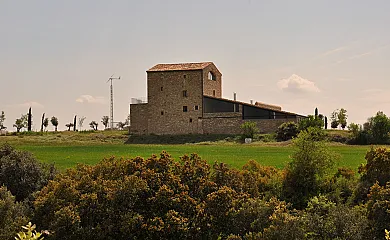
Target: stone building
(187, 99)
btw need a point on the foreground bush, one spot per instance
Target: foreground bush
(13, 215)
(21, 173)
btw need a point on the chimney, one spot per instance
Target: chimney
(235, 96)
(251, 102)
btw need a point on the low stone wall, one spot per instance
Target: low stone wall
(232, 125)
(138, 118)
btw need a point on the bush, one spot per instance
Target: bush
(309, 168)
(287, 131)
(310, 121)
(13, 214)
(249, 129)
(378, 208)
(21, 173)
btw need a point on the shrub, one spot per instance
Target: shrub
(249, 129)
(22, 173)
(287, 131)
(310, 121)
(308, 170)
(13, 214)
(378, 207)
(29, 233)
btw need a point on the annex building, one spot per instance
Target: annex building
(186, 99)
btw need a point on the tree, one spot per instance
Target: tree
(20, 123)
(29, 233)
(46, 123)
(249, 129)
(105, 121)
(74, 123)
(342, 118)
(29, 120)
(316, 113)
(121, 125)
(326, 122)
(354, 129)
(310, 121)
(43, 119)
(379, 127)
(287, 131)
(2, 119)
(94, 125)
(81, 122)
(69, 125)
(334, 119)
(54, 122)
(311, 162)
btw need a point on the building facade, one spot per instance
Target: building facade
(187, 99)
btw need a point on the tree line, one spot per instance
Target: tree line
(25, 122)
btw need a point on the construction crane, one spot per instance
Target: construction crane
(112, 100)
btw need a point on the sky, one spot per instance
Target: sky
(56, 56)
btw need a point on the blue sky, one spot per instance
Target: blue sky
(56, 56)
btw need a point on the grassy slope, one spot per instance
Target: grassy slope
(67, 149)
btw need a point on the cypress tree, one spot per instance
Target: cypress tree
(74, 123)
(326, 122)
(29, 120)
(316, 113)
(43, 119)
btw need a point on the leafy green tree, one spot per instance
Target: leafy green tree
(287, 131)
(121, 125)
(81, 122)
(2, 119)
(378, 207)
(20, 123)
(310, 121)
(21, 173)
(379, 128)
(334, 119)
(308, 170)
(13, 214)
(249, 129)
(94, 125)
(342, 118)
(54, 122)
(46, 123)
(354, 129)
(105, 120)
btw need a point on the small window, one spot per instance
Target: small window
(214, 93)
(196, 107)
(211, 76)
(162, 112)
(185, 76)
(185, 109)
(185, 93)
(190, 120)
(161, 88)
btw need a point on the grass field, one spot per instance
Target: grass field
(67, 149)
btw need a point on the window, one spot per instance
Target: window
(211, 76)
(185, 76)
(162, 112)
(213, 93)
(185, 93)
(161, 88)
(190, 120)
(196, 107)
(185, 109)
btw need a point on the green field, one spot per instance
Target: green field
(67, 149)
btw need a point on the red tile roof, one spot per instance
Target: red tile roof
(179, 67)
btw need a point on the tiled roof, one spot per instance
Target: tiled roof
(179, 66)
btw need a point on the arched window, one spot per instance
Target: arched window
(212, 76)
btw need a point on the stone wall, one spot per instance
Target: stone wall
(232, 125)
(138, 115)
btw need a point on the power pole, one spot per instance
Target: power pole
(112, 100)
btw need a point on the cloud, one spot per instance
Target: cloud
(91, 99)
(297, 84)
(31, 104)
(363, 54)
(329, 52)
